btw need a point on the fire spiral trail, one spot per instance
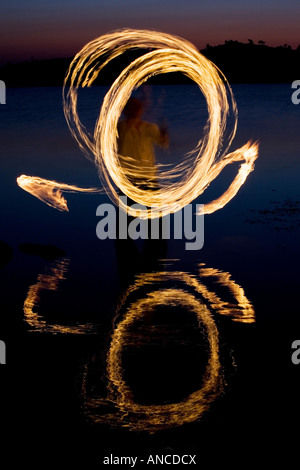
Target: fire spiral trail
(184, 182)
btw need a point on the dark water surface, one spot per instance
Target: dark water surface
(139, 350)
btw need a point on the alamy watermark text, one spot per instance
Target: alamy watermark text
(188, 223)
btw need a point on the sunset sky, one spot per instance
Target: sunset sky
(45, 29)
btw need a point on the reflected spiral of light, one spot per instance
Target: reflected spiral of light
(205, 161)
(174, 414)
(151, 418)
(49, 281)
(156, 417)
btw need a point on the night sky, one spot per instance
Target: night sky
(44, 29)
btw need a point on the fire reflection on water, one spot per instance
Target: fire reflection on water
(120, 407)
(154, 417)
(149, 294)
(49, 281)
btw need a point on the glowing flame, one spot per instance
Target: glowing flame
(198, 169)
(50, 192)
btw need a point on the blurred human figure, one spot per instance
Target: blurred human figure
(137, 139)
(136, 142)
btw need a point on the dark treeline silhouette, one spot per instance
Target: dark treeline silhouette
(255, 63)
(240, 63)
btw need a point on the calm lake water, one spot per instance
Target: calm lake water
(134, 350)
